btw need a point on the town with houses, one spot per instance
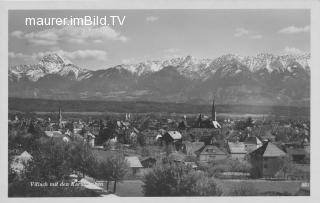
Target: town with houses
(245, 156)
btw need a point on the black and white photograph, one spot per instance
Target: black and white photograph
(160, 102)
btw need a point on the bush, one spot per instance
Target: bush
(178, 180)
(228, 165)
(199, 184)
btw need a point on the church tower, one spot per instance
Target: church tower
(214, 116)
(213, 111)
(60, 118)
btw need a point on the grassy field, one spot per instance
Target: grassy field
(130, 188)
(133, 188)
(262, 186)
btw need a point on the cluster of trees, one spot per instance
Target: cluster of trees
(105, 132)
(53, 160)
(243, 124)
(174, 179)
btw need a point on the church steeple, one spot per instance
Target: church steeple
(60, 118)
(214, 116)
(213, 111)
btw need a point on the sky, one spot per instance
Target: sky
(158, 35)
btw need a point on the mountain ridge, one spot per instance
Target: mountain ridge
(261, 79)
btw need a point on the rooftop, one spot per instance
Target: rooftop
(133, 162)
(175, 135)
(269, 150)
(237, 148)
(210, 149)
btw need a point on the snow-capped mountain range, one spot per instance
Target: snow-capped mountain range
(49, 64)
(265, 79)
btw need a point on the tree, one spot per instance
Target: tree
(161, 181)
(249, 122)
(81, 157)
(141, 139)
(31, 128)
(49, 161)
(112, 167)
(53, 160)
(199, 184)
(101, 171)
(178, 180)
(242, 125)
(117, 166)
(69, 126)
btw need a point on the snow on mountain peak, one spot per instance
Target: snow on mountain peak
(49, 64)
(189, 66)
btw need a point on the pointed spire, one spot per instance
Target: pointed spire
(60, 118)
(213, 113)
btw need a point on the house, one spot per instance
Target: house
(203, 122)
(53, 134)
(150, 136)
(189, 148)
(210, 153)
(148, 162)
(297, 155)
(266, 160)
(237, 150)
(252, 143)
(123, 125)
(173, 138)
(183, 124)
(134, 164)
